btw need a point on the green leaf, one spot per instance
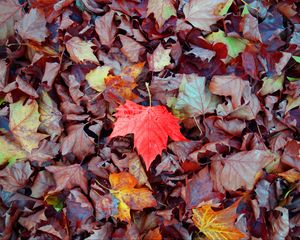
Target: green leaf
(226, 7)
(234, 45)
(56, 202)
(297, 58)
(292, 79)
(271, 85)
(10, 151)
(194, 97)
(245, 11)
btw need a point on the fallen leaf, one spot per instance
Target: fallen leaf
(32, 221)
(217, 224)
(106, 28)
(162, 10)
(10, 151)
(271, 85)
(131, 48)
(80, 50)
(159, 59)
(291, 175)
(153, 235)
(123, 188)
(194, 98)
(241, 169)
(10, 12)
(280, 224)
(151, 127)
(234, 45)
(231, 85)
(291, 154)
(24, 122)
(67, 177)
(33, 26)
(50, 116)
(202, 14)
(15, 177)
(96, 77)
(78, 141)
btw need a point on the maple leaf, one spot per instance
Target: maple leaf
(15, 177)
(96, 78)
(78, 142)
(202, 13)
(151, 127)
(106, 29)
(50, 116)
(33, 26)
(10, 11)
(194, 98)
(124, 189)
(81, 50)
(159, 59)
(67, 177)
(10, 151)
(162, 10)
(131, 49)
(246, 166)
(217, 224)
(24, 122)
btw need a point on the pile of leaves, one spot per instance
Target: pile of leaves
(149, 119)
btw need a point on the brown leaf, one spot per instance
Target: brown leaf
(10, 11)
(106, 28)
(159, 59)
(131, 49)
(16, 176)
(104, 233)
(32, 221)
(79, 210)
(67, 177)
(280, 224)
(42, 184)
(33, 26)
(80, 50)
(241, 169)
(291, 154)
(162, 10)
(232, 86)
(198, 189)
(78, 142)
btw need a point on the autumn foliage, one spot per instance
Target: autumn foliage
(149, 119)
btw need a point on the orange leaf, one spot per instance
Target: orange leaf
(125, 82)
(217, 225)
(123, 188)
(151, 127)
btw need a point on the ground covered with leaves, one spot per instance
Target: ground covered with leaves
(149, 119)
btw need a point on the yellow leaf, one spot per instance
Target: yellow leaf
(24, 122)
(10, 151)
(291, 175)
(217, 225)
(159, 59)
(124, 189)
(80, 50)
(96, 78)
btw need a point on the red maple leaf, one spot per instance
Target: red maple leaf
(151, 127)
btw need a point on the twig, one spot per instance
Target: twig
(149, 93)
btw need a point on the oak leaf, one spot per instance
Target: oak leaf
(24, 122)
(217, 224)
(162, 10)
(151, 127)
(81, 50)
(124, 189)
(67, 177)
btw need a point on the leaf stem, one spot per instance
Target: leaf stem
(149, 93)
